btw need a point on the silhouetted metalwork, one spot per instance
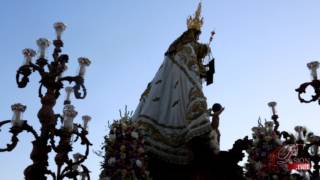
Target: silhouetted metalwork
(52, 79)
(315, 84)
(310, 149)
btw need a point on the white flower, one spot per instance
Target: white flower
(278, 141)
(111, 160)
(134, 134)
(138, 163)
(122, 148)
(269, 124)
(123, 155)
(124, 125)
(147, 173)
(112, 137)
(255, 142)
(268, 138)
(141, 150)
(258, 165)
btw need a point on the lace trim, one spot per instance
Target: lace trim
(177, 151)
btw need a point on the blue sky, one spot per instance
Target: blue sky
(261, 50)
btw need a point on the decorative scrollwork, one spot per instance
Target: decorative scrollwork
(25, 71)
(40, 91)
(77, 92)
(68, 170)
(52, 174)
(78, 80)
(86, 171)
(51, 83)
(315, 84)
(276, 124)
(15, 131)
(14, 138)
(4, 122)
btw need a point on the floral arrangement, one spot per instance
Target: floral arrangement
(124, 157)
(261, 160)
(269, 155)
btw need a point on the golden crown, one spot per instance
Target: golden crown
(196, 21)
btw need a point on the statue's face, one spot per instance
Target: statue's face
(197, 35)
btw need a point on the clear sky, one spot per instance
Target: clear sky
(261, 50)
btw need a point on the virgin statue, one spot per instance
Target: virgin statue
(173, 109)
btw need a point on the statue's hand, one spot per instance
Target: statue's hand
(219, 112)
(209, 49)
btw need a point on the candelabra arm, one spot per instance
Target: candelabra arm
(58, 116)
(86, 171)
(14, 138)
(79, 84)
(52, 174)
(52, 142)
(70, 79)
(37, 68)
(26, 71)
(315, 84)
(4, 122)
(73, 174)
(30, 129)
(84, 141)
(289, 138)
(15, 131)
(40, 91)
(276, 123)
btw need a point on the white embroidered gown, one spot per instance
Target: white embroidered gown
(173, 109)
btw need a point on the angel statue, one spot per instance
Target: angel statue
(173, 109)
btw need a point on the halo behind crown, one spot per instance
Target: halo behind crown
(196, 21)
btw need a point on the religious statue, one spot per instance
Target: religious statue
(173, 109)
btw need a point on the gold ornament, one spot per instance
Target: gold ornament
(196, 21)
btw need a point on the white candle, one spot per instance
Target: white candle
(59, 28)
(69, 91)
(83, 63)
(273, 107)
(43, 43)
(18, 110)
(68, 115)
(313, 66)
(86, 120)
(28, 55)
